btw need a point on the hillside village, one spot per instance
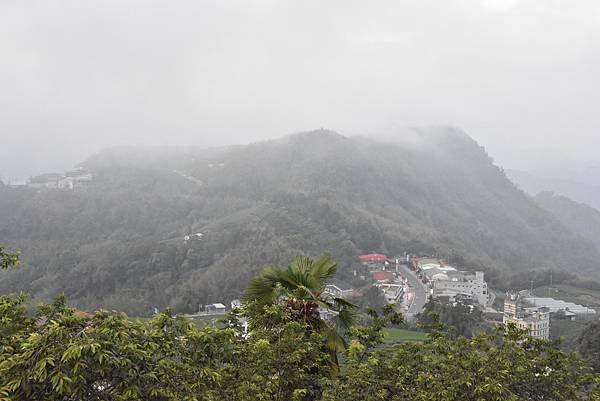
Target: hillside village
(76, 179)
(410, 281)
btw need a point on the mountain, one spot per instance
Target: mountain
(578, 217)
(581, 188)
(121, 243)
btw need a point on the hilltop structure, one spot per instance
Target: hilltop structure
(75, 179)
(536, 320)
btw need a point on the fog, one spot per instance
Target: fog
(519, 76)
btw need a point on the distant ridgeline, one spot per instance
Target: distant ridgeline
(129, 241)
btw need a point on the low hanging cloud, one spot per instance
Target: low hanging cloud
(520, 76)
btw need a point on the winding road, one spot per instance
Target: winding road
(418, 289)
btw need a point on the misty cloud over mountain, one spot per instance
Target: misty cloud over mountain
(121, 241)
(83, 76)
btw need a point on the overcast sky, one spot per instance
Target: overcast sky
(520, 76)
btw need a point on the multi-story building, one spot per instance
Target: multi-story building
(74, 179)
(535, 320)
(49, 180)
(448, 282)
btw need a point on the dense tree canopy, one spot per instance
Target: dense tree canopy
(462, 320)
(588, 344)
(61, 353)
(487, 367)
(8, 259)
(578, 217)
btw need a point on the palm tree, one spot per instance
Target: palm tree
(299, 288)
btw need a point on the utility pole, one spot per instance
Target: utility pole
(531, 289)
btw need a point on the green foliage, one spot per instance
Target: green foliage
(487, 367)
(60, 353)
(8, 259)
(370, 334)
(283, 360)
(588, 345)
(578, 217)
(105, 356)
(299, 290)
(371, 297)
(394, 334)
(463, 320)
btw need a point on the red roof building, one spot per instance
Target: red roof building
(383, 276)
(373, 257)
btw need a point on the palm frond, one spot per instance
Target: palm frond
(345, 319)
(303, 292)
(335, 342)
(322, 270)
(300, 285)
(263, 289)
(294, 276)
(301, 262)
(340, 303)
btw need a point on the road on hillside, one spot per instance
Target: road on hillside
(418, 289)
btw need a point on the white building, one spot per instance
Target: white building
(556, 304)
(535, 320)
(74, 179)
(17, 184)
(391, 292)
(49, 180)
(78, 178)
(215, 309)
(424, 264)
(448, 282)
(336, 292)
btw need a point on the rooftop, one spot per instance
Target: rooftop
(43, 178)
(373, 257)
(383, 276)
(556, 304)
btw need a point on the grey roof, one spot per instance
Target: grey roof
(556, 304)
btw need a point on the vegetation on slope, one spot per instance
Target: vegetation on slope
(120, 244)
(578, 217)
(581, 188)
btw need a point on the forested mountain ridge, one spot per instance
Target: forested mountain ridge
(581, 189)
(579, 217)
(120, 244)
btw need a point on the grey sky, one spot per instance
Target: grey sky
(520, 76)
